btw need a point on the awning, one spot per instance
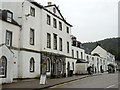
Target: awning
(81, 61)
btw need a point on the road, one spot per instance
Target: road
(102, 81)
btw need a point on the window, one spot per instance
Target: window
(77, 54)
(73, 65)
(32, 65)
(8, 38)
(87, 58)
(48, 40)
(60, 26)
(9, 16)
(67, 29)
(81, 55)
(60, 44)
(32, 11)
(3, 66)
(54, 23)
(55, 41)
(72, 53)
(54, 10)
(48, 20)
(31, 36)
(48, 65)
(67, 47)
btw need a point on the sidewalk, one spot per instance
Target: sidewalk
(34, 83)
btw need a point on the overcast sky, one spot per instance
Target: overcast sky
(92, 20)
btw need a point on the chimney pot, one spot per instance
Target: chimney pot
(49, 3)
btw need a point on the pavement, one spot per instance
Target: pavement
(34, 84)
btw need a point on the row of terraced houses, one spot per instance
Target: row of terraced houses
(37, 40)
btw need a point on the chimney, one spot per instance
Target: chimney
(49, 3)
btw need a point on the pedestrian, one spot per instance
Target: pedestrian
(89, 70)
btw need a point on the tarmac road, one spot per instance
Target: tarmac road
(102, 81)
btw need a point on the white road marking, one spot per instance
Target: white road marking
(110, 86)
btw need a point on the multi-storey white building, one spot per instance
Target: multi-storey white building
(37, 40)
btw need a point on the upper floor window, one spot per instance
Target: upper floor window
(81, 55)
(60, 25)
(55, 41)
(72, 53)
(32, 11)
(54, 23)
(60, 44)
(67, 29)
(77, 54)
(48, 40)
(8, 38)
(32, 36)
(9, 16)
(3, 66)
(67, 47)
(32, 65)
(54, 10)
(48, 19)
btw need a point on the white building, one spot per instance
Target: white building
(37, 39)
(105, 57)
(44, 40)
(10, 32)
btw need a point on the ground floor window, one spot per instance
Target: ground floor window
(48, 65)
(32, 65)
(3, 66)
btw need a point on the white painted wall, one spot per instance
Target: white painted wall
(79, 51)
(24, 70)
(9, 55)
(70, 60)
(99, 50)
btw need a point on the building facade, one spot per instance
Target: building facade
(37, 40)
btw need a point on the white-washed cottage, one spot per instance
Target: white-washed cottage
(10, 31)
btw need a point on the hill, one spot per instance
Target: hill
(112, 45)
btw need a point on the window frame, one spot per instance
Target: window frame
(60, 25)
(54, 23)
(33, 65)
(32, 37)
(5, 68)
(48, 40)
(68, 47)
(55, 41)
(48, 19)
(48, 65)
(32, 11)
(77, 53)
(60, 44)
(9, 18)
(67, 28)
(7, 37)
(72, 53)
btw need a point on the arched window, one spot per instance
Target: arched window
(3, 66)
(48, 65)
(32, 65)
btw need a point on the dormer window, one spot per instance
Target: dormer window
(9, 16)
(54, 10)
